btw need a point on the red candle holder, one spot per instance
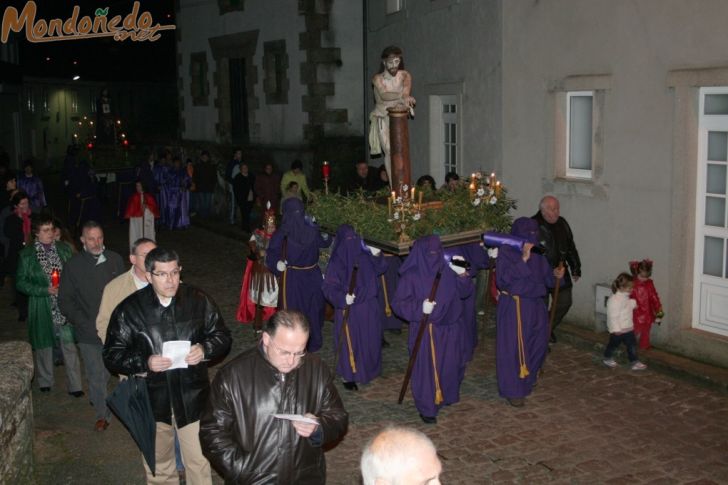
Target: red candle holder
(326, 172)
(55, 278)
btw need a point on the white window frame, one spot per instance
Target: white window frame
(437, 134)
(576, 172)
(707, 287)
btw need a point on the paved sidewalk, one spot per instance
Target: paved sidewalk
(584, 423)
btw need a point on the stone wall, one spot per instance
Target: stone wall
(16, 413)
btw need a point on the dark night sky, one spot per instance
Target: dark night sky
(101, 59)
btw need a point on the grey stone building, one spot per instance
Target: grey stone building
(619, 108)
(279, 76)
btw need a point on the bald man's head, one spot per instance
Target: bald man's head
(549, 208)
(400, 456)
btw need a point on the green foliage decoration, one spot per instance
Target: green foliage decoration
(368, 214)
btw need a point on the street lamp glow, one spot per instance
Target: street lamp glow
(76, 77)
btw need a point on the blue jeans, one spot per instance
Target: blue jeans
(629, 341)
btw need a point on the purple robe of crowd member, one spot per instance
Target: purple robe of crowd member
(82, 189)
(521, 344)
(33, 186)
(161, 171)
(177, 198)
(300, 275)
(145, 173)
(477, 256)
(362, 347)
(436, 374)
(387, 284)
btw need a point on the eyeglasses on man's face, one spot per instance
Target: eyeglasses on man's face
(174, 274)
(285, 353)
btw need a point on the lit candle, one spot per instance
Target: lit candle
(55, 278)
(326, 169)
(394, 196)
(497, 188)
(491, 181)
(412, 196)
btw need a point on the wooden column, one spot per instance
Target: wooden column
(399, 146)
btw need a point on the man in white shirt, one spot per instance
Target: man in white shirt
(124, 285)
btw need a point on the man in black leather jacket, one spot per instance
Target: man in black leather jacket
(163, 311)
(557, 238)
(239, 432)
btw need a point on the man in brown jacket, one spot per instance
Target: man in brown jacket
(272, 409)
(124, 285)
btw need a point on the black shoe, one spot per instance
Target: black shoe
(77, 393)
(428, 419)
(351, 386)
(552, 339)
(45, 389)
(384, 343)
(517, 402)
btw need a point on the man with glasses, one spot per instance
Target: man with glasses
(169, 310)
(272, 409)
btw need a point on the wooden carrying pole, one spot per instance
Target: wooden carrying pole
(554, 300)
(282, 282)
(418, 340)
(344, 333)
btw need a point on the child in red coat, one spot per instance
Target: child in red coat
(649, 307)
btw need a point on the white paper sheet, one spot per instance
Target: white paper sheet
(296, 417)
(176, 350)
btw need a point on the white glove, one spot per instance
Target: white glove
(350, 299)
(428, 306)
(374, 251)
(458, 269)
(493, 252)
(281, 266)
(324, 236)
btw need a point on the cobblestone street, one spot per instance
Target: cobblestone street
(584, 423)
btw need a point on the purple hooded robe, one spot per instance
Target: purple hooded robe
(177, 197)
(443, 334)
(528, 281)
(365, 314)
(300, 287)
(33, 186)
(477, 256)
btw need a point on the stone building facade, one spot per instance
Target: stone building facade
(280, 78)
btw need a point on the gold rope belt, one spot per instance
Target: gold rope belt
(303, 267)
(285, 278)
(523, 369)
(387, 308)
(438, 390)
